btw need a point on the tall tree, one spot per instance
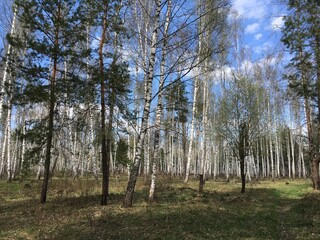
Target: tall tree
(156, 158)
(46, 38)
(134, 171)
(301, 36)
(111, 75)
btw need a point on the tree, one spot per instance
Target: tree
(112, 75)
(301, 36)
(156, 158)
(134, 171)
(240, 116)
(212, 46)
(48, 44)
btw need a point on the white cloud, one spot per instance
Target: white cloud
(277, 23)
(252, 28)
(223, 73)
(258, 36)
(250, 9)
(265, 47)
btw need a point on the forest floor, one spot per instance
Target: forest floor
(284, 209)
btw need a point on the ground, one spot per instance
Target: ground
(284, 209)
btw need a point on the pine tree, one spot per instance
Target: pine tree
(301, 36)
(111, 76)
(47, 43)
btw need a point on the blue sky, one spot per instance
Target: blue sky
(262, 22)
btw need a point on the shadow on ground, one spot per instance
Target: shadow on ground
(178, 213)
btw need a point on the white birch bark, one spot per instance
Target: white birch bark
(304, 174)
(191, 142)
(3, 150)
(271, 157)
(277, 160)
(289, 155)
(204, 126)
(267, 158)
(8, 143)
(127, 202)
(293, 156)
(15, 158)
(23, 150)
(147, 151)
(258, 162)
(282, 159)
(6, 68)
(227, 167)
(215, 163)
(263, 165)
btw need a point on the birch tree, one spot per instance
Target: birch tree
(239, 118)
(156, 158)
(127, 202)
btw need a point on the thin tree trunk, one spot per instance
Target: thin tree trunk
(243, 176)
(282, 160)
(146, 154)
(289, 155)
(156, 158)
(271, 158)
(263, 165)
(191, 142)
(315, 173)
(128, 199)
(9, 160)
(293, 160)
(204, 132)
(104, 157)
(43, 197)
(277, 157)
(6, 67)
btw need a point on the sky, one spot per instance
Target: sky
(262, 21)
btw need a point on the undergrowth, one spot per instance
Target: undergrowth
(284, 209)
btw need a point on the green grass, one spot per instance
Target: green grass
(283, 209)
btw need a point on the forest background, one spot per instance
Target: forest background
(208, 89)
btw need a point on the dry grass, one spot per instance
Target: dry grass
(268, 210)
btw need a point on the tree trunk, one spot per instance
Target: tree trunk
(43, 197)
(194, 109)
(278, 156)
(6, 68)
(271, 158)
(128, 199)
(263, 163)
(243, 176)
(156, 158)
(9, 157)
(104, 157)
(315, 173)
(146, 154)
(289, 155)
(293, 168)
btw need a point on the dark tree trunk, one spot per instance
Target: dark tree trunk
(46, 175)
(315, 173)
(201, 183)
(104, 158)
(243, 176)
